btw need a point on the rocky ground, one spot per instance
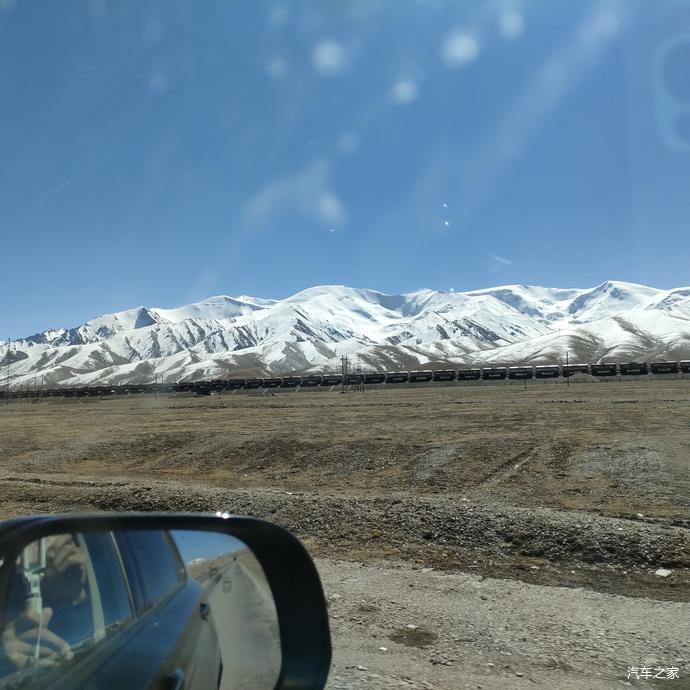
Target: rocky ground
(518, 531)
(440, 629)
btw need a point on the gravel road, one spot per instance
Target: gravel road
(404, 627)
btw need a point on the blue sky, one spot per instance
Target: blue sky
(161, 152)
(198, 544)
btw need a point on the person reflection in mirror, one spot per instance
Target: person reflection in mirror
(26, 634)
(45, 637)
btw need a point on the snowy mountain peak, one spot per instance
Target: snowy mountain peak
(223, 335)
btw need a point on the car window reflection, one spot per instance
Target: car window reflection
(66, 593)
(152, 563)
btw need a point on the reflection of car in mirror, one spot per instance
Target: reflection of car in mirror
(81, 605)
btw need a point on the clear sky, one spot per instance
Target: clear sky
(156, 153)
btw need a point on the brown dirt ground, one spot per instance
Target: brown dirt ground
(584, 485)
(617, 449)
(611, 449)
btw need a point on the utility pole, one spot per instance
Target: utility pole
(7, 377)
(357, 369)
(344, 365)
(567, 378)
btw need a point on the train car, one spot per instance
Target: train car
(99, 391)
(633, 368)
(664, 367)
(253, 383)
(182, 386)
(355, 379)
(520, 373)
(604, 369)
(274, 382)
(572, 369)
(547, 371)
(331, 379)
(311, 380)
(291, 381)
(374, 377)
(469, 374)
(202, 388)
(397, 377)
(235, 384)
(421, 376)
(445, 375)
(494, 373)
(684, 366)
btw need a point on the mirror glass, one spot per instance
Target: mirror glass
(137, 609)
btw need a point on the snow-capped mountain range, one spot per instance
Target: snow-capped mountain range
(229, 336)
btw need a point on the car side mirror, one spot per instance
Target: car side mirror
(159, 600)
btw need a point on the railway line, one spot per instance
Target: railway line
(605, 371)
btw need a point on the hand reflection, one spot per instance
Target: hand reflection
(28, 633)
(65, 573)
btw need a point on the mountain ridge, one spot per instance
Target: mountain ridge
(310, 330)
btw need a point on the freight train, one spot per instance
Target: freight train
(602, 370)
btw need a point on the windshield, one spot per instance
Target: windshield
(407, 277)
